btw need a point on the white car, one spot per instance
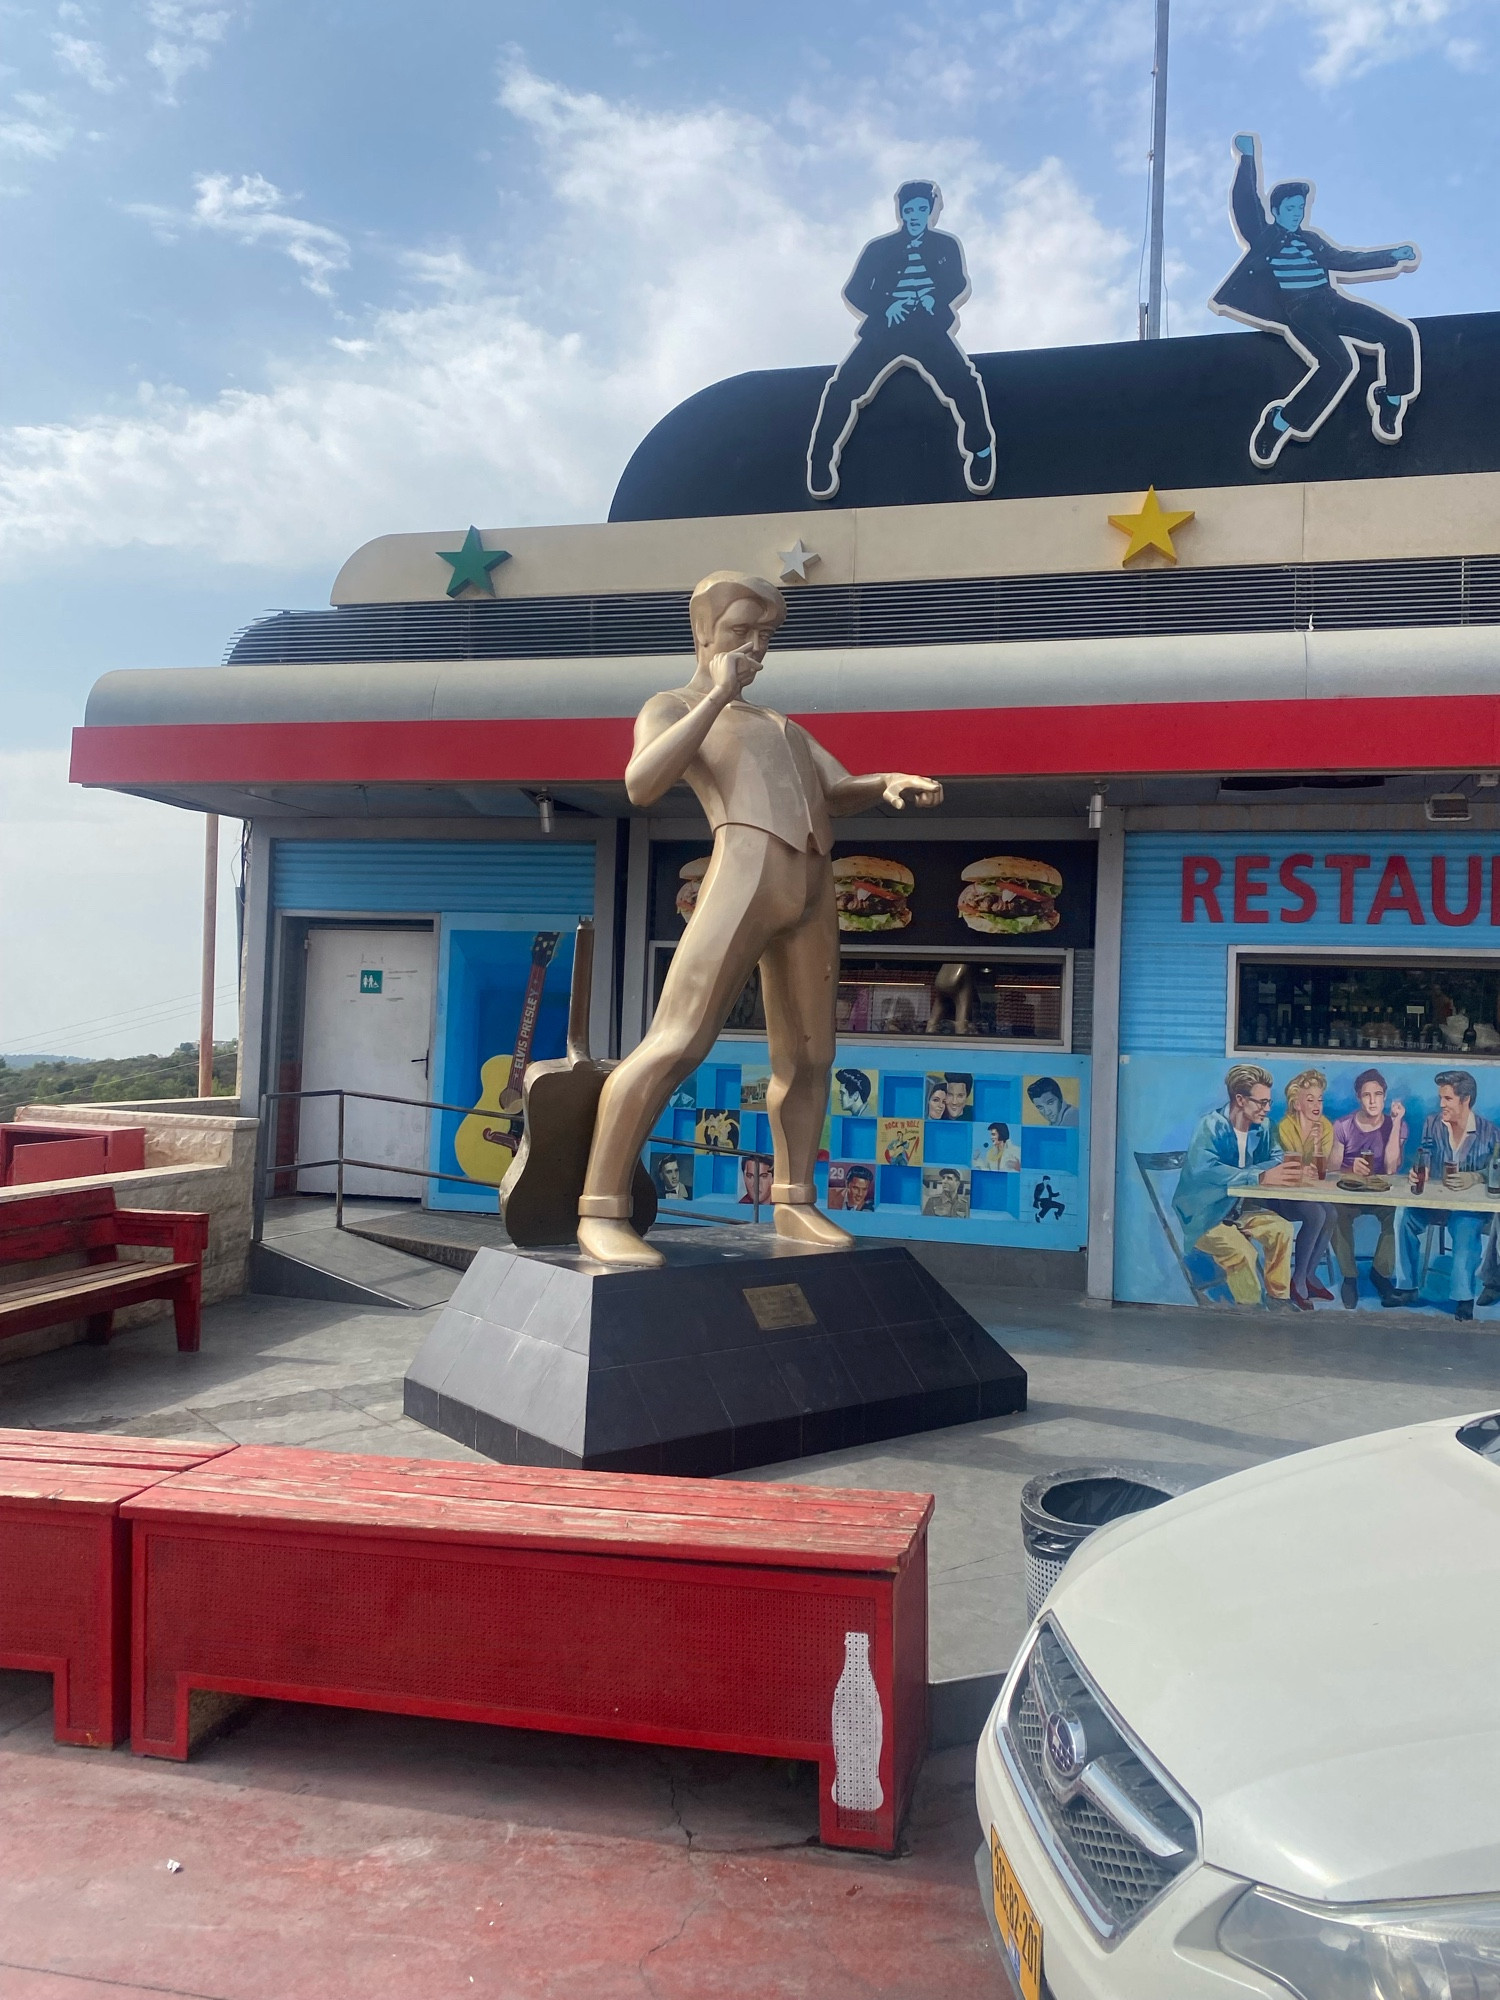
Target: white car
(1251, 1746)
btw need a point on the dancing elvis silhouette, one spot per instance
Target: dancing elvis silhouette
(1291, 281)
(905, 291)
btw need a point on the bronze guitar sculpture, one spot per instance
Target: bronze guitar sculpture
(539, 1195)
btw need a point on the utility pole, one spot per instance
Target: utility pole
(1151, 311)
(210, 931)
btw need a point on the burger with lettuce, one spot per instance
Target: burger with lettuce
(871, 893)
(1008, 895)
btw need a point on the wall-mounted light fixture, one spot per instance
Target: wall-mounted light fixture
(1096, 807)
(1447, 808)
(543, 801)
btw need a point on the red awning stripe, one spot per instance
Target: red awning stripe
(1407, 732)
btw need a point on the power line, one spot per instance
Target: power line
(138, 1017)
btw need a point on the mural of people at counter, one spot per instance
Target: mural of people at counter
(1305, 1187)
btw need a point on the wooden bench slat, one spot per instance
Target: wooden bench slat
(83, 1284)
(105, 1449)
(46, 1239)
(71, 1205)
(426, 1500)
(91, 1487)
(740, 1499)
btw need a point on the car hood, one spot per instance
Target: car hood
(1312, 1650)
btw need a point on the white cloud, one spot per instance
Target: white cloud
(36, 130)
(1359, 34)
(86, 59)
(249, 210)
(185, 35)
(85, 878)
(680, 247)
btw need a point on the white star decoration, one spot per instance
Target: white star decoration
(794, 560)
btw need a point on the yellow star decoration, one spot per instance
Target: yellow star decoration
(1152, 528)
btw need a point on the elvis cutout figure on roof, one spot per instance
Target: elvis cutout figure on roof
(1291, 281)
(905, 291)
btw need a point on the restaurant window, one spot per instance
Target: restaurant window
(1440, 1007)
(1014, 997)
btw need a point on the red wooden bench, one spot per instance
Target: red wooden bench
(716, 1614)
(65, 1566)
(36, 1227)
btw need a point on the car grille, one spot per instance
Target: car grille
(1111, 1872)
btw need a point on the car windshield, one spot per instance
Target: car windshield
(1483, 1436)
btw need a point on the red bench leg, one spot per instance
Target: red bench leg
(187, 1311)
(98, 1327)
(64, 1610)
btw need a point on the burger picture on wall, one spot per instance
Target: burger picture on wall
(690, 880)
(871, 893)
(1008, 895)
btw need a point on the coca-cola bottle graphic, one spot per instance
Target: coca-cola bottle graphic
(858, 1730)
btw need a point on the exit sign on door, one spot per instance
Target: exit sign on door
(371, 982)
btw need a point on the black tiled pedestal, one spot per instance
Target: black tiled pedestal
(741, 1351)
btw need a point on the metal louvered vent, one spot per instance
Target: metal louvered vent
(1267, 597)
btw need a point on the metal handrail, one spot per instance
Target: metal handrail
(340, 1160)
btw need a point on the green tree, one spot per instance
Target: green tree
(116, 1079)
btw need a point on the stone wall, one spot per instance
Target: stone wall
(199, 1161)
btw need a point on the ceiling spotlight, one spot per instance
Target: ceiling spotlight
(544, 810)
(1443, 808)
(1096, 808)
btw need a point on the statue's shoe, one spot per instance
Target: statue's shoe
(609, 1239)
(801, 1222)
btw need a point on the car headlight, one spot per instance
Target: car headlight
(1446, 1950)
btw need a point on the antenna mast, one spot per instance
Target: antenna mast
(1151, 310)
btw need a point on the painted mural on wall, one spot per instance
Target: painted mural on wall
(1293, 280)
(980, 1148)
(503, 1004)
(905, 291)
(1316, 1185)
(1310, 1071)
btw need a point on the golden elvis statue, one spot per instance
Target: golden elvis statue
(769, 792)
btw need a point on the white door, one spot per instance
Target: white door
(367, 1025)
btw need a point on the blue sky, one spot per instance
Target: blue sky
(287, 276)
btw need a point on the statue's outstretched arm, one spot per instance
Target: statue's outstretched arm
(845, 794)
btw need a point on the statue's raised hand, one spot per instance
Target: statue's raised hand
(732, 673)
(924, 791)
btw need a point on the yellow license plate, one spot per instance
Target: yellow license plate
(1020, 1932)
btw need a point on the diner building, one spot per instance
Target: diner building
(1221, 755)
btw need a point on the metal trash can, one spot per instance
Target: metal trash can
(1060, 1510)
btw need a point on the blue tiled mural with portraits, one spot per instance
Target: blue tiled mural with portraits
(956, 1145)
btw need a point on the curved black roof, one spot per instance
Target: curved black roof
(1113, 418)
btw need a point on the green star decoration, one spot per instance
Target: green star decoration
(472, 564)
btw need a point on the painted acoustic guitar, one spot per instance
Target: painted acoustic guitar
(489, 1138)
(560, 1102)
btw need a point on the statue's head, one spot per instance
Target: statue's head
(734, 613)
